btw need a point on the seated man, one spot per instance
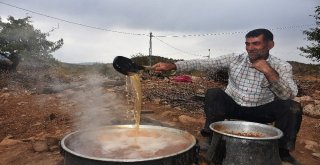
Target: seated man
(260, 88)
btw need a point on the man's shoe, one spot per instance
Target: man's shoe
(286, 157)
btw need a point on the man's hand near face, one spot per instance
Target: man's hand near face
(264, 67)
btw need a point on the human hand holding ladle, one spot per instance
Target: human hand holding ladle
(126, 66)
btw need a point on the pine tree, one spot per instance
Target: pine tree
(313, 35)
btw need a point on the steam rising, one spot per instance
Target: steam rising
(96, 105)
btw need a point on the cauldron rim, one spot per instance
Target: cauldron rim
(66, 149)
(277, 131)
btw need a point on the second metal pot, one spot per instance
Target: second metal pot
(244, 143)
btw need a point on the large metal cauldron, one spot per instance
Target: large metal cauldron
(244, 143)
(96, 147)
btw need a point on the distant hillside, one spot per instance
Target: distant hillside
(299, 69)
(302, 69)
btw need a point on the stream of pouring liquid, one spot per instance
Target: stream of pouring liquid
(137, 97)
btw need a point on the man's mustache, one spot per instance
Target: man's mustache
(258, 55)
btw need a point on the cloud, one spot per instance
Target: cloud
(164, 17)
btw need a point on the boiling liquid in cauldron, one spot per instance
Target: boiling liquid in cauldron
(128, 143)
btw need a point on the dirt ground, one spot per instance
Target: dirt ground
(29, 118)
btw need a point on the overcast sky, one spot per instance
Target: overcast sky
(99, 30)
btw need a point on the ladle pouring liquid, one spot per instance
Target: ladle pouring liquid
(126, 66)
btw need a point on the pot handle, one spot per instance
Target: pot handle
(217, 149)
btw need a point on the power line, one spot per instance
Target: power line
(180, 50)
(71, 22)
(98, 28)
(231, 33)
(196, 51)
(145, 34)
(156, 36)
(199, 35)
(193, 54)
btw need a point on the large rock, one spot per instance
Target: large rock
(7, 141)
(316, 95)
(312, 145)
(312, 110)
(316, 155)
(189, 120)
(167, 113)
(304, 100)
(40, 146)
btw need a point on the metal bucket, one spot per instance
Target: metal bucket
(244, 143)
(95, 147)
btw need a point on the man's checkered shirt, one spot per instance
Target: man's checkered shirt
(247, 86)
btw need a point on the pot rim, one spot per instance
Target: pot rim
(66, 149)
(277, 131)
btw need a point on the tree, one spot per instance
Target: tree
(313, 51)
(19, 35)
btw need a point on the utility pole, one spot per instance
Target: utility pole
(208, 55)
(150, 49)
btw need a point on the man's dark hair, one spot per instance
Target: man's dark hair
(268, 36)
